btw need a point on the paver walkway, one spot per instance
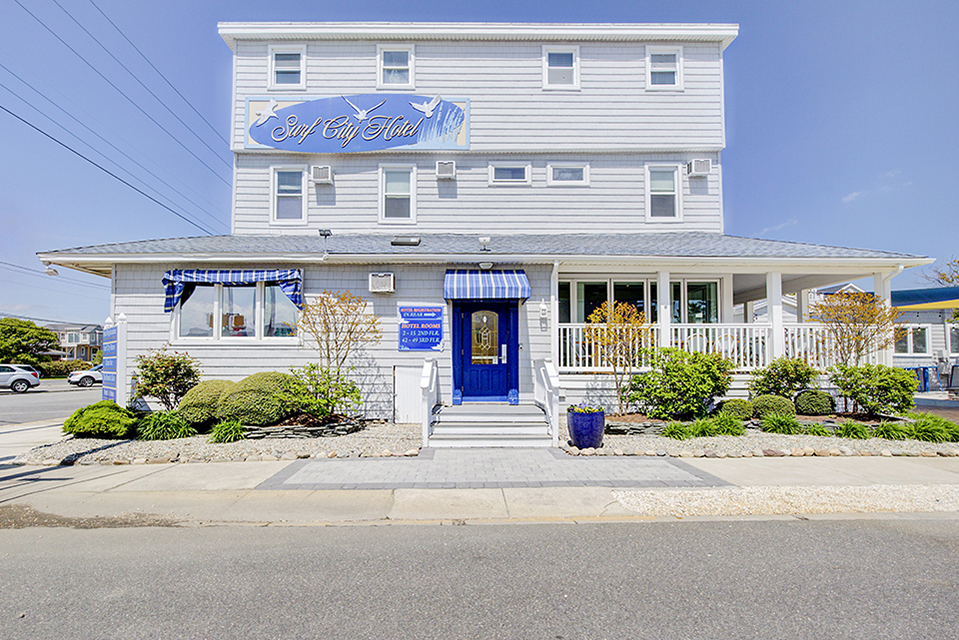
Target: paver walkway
(489, 468)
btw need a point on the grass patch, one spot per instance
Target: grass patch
(818, 430)
(728, 424)
(227, 431)
(676, 431)
(781, 423)
(891, 431)
(164, 425)
(929, 427)
(854, 430)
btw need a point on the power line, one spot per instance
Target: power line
(137, 49)
(107, 171)
(113, 146)
(41, 274)
(33, 287)
(140, 82)
(129, 99)
(32, 319)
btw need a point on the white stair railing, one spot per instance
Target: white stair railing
(547, 394)
(430, 388)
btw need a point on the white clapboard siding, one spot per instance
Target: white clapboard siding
(614, 201)
(139, 295)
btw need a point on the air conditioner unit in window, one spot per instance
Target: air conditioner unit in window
(445, 170)
(381, 283)
(322, 175)
(696, 168)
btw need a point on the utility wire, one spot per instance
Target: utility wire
(34, 287)
(212, 128)
(140, 82)
(10, 315)
(107, 171)
(129, 99)
(113, 146)
(40, 274)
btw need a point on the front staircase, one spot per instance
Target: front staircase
(489, 424)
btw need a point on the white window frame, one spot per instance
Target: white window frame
(526, 166)
(271, 82)
(383, 168)
(910, 349)
(678, 207)
(648, 282)
(952, 348)
(550, 181)
(650, 51)
(259, 318)
(304, 194)
(411, 50)
(548, 49)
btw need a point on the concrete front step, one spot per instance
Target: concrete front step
(466, 440)
(486, 429)
(490, 425)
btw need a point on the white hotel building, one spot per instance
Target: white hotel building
(553, 166)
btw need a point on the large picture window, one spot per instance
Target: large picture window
(243, 312)
(692, 301)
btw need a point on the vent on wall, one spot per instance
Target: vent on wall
(381, 283)
(322, 174)
(696, 168)
(445, 170)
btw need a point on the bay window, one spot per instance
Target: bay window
(242, 312)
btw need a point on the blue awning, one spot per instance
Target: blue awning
(473, 284)
(289, 280)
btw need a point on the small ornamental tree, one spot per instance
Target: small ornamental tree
(337, 325)
(23, 342)
(622, 335)
(859, 323)
(166, 376)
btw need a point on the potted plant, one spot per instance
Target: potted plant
(586, 424)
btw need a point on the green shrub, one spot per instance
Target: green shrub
(854, 430)
(929, 427)
(62, 368)
(783, 377)
(891, 431)
(227, 431)
(164, 425)
(260, 399)
(738, 407)
(703, 428)
(813, 402)
(322, 391)
(676, 431)
(727, 424)
(198, 406)
(818, 430)
(764, 405)
(104, 419)
(876, 388)
(782, 423)
(680, 384)
(166, 376)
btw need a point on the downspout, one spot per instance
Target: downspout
(895, 273)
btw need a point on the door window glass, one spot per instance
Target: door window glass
(631, 293)
(485, 337)
(564, 302)
(703, 301)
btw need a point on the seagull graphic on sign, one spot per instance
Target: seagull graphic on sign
(361, 114)
(267, 113)
(427, 108)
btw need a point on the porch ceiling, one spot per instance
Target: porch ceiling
(748, 287)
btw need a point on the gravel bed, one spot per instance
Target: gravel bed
(374, 441)
(737, 501)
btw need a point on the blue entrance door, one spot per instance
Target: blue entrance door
(486, 351)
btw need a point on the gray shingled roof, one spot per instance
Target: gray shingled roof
(681, 244)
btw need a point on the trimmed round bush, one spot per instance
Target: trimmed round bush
(813, 402)
(764, 405)
(198, 406)
(164, 425)
(62, 368)
(104, 419)
(738, 407)
(259, 400)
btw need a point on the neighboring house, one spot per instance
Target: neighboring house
(78, 341)
(757, 311)
(485, 187)
(931, 337)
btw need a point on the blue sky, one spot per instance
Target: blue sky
(841, 122)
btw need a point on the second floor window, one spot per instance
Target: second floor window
(664, 68)
(289, 201)
(397, 196)
(560, 68)
(395, 67)
(662, 199)
(286, 68)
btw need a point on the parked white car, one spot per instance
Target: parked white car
(18, 378)
(86, 378)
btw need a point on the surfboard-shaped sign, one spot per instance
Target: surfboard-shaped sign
(358, 123)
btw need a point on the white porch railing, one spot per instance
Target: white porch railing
(747, 345)
(580, 351)
(546, 393)
(812, 343)
(430, 388)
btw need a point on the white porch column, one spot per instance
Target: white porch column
(802, 305)
(665, 307)
(749, 311)
(727, 308)
(882, 285)
(554, 313)
(774, 305)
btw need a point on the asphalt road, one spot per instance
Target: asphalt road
(745, 579)
(53, 399)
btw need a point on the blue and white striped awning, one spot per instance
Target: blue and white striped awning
(289, 280)
(473, 284)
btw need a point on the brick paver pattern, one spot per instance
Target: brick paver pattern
(489, 468)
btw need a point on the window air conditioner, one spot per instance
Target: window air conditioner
(445, 170)
(381, 283)
(696, 168)
(322, 175)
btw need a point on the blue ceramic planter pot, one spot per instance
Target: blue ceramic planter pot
(586, 429)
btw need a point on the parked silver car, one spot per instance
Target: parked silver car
(86, 378)
(18, 378)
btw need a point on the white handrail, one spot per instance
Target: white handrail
(546, 394)
(430, 388)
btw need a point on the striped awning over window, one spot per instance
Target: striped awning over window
(474, 284)
(289, 280)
